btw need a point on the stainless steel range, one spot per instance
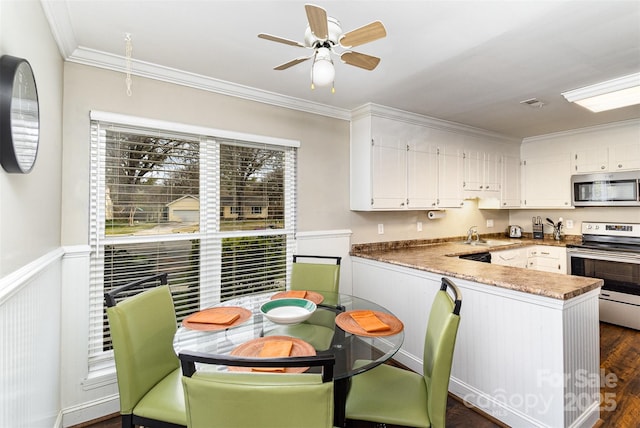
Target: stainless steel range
(611, 251)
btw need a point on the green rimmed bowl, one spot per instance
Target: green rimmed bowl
(288, 311)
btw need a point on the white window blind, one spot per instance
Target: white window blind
(217, 215)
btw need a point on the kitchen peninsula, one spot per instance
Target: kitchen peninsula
(527, 350)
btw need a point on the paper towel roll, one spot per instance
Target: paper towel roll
(435, 214)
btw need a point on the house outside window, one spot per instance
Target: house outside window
(170, 200)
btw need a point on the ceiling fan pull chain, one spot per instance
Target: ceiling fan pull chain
(128, 50)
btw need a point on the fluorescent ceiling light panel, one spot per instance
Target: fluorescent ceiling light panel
(612, 94)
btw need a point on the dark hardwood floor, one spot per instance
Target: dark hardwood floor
(620, 379)
(620, 392)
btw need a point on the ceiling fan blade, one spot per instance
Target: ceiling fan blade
(365, 34)
(280, 40)
(317, 18)
(291, 63)
(361, 60)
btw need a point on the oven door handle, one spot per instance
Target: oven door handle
(612, 256)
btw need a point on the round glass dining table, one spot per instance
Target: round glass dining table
(320, 331)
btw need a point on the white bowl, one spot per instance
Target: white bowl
(288, 311)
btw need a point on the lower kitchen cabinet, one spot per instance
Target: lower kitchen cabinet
(516, 257)
(547, 258)
(524, 359)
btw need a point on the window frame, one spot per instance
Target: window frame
(209, 235)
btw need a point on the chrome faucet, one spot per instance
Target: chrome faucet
(473, 231)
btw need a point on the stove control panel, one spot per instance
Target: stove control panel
(611, 229)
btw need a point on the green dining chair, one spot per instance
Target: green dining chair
(322, 276)
(228, 399)
(147, 368)
(392, 395)
(315, 276)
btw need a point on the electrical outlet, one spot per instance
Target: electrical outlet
(569, 224)
(490, 223)
(380, 229)
(419, 226)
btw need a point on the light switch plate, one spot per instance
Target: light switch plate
(380, 229)
(569, 224)
(490, 223)
(419, 226)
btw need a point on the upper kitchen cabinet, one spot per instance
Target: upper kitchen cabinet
(403, 161)
(422, 174)
(509, 195)
(614, 157)
(482, 173)
(546, 181)
(590, 160)
(450, 177)
(393, 167)
(624, 157)
(510, 189)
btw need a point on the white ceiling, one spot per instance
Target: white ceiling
(470, 62)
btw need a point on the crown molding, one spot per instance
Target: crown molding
(605, 126)
(377, 110)
(57, 15)
(99, 59)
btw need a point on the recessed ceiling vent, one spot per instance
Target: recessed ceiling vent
(533, 102)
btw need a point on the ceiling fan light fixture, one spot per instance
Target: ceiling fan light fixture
(323, 72)
(612, 94)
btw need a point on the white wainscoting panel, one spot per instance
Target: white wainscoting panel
(30, 344)
(524, 359)
(329, 243)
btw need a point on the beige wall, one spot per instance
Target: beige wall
(30, 207)
(403, 225)
(323, 166)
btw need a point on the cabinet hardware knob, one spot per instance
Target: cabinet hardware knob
(619, 165)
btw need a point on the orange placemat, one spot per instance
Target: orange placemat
(207, 319)
(346, 322)
(313, 296)
(254, 347)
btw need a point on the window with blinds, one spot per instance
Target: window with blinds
(217, 214)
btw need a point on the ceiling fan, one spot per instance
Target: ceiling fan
(323, 35)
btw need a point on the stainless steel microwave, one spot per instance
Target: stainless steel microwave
(606, 189)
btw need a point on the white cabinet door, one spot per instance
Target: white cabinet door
(389, 176)
(422, 176)
(516, 257)
(473, 169)
(547, 259)
(482, 173)
(547, 182)
(450, 177)
(510, 189)
(624, 157)
(591, 160)
(492, 173)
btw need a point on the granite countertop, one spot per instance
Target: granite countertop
(441, 257)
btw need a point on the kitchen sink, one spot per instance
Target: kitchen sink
(487, 243)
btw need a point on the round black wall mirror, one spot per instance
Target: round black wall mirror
(19, 115)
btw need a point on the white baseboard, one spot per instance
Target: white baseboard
(88, 411)
(513, 417)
